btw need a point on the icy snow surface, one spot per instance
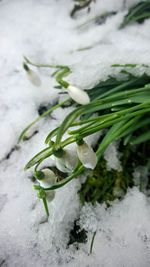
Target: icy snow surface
(44, 31)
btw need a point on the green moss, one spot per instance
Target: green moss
(104, 185)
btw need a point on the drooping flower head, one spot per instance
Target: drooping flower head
(46, 178)
(86, 155)
(67, 162)
(33, 77)
(78, 95)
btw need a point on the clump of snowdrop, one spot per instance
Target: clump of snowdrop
(78, 95)
(130, 112)
(32, 76)
(87, 155)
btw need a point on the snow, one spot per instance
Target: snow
(43, 31)
(111, 156)
(121, 231)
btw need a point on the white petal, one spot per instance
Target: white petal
(49, 178)
(68, 162)
(50, 195)
(61, 165)
(78, 95)
(87, 156)
(33, 78)
(70, 159)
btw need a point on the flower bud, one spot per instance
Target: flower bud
(33, 77)
(78, 95)
(87, 156)
(67, 162)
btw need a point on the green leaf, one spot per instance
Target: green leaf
(141, 138)
(45, 153)
(137, 13)
(24, 132)
(113, 134)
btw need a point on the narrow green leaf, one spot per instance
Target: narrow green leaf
(45, 153)
(114, 134)
(24, 132)
(140, 139)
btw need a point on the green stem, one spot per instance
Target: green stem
(66, 124)
(118, 88)
(44, 65)
(24, 132)
(101, 119)
(50, 135)
(92, 242)
(98, 127)
(45, 206)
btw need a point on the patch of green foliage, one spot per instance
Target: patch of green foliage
(100, 184)
(137, 13)
(103, 185)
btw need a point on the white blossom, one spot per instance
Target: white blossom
(67, 162)
(50, 195)
(78, 95)
(33, 78)
(87, 155)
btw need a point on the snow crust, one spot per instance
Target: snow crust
(43, 31)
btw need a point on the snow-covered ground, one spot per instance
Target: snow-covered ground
(44, 31)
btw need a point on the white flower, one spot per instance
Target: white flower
(48, 181)
(78, 95)
(49, 178)
(87, 155)
(50, 195)
(67, 162)
(33, 77)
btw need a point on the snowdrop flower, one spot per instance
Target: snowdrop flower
(32, 76)
(87, 155)
(48, 179)
(50, 195)
(78, 95)
(67, 162)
